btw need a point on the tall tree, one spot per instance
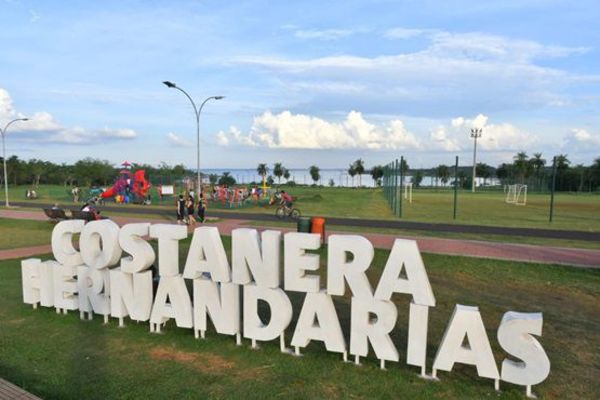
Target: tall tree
(286, 174)
(262, 170)
(352, 172)
(442, 172)
(278, 171)
(359, 167)
(522, 166)
(483, 171)
(314, 172)
(377, 174)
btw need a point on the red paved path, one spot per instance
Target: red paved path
(471, 248)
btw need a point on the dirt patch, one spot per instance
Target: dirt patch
(206, 363)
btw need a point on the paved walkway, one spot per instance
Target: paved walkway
(470, 248)
(8, 391)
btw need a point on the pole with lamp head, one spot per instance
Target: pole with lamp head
(3, 133)
(197, 112)
(475, 133)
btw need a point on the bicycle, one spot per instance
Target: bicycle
(284, 211)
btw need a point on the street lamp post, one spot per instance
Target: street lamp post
(197, 112)
(3, 133)
(475, 133)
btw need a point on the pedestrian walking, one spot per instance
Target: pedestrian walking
(180, 206)
(190, 210)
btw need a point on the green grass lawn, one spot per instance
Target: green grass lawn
(15, 233)
(61, 357)
(572, 211)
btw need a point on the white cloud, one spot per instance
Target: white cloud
(405, 33)
(582, 141)
(448, 74)
(177, 140)
(481, 46)
(324, 34)
(43, 127)
(440, 138)
(299, 131)
(496, 137)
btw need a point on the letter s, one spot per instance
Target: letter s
(515, 337)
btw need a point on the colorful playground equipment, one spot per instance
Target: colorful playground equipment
(129, 187)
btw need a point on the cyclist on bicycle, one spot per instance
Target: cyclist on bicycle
(286, 200)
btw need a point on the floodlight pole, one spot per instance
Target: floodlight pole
(475, 133)
(553, 189)
(197, 112)
(3, 134)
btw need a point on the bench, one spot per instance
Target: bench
(84, 215)
(55, 214)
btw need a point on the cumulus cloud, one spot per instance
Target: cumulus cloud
(581, 140)
(299, 131)
(497, 137)
(177, 140)
(43, 127)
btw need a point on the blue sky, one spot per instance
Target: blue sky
(311, 82)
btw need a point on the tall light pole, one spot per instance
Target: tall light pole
(475, 133)
(3, 133)
(197, 111)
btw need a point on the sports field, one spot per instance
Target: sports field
(572, 211)
(61, 357)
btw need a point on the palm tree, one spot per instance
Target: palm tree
(537, 164)
(352, 172)
(278, 171)
(262, 170)
(286, 174)
(359, 167)
(522, 165)
(314, 173)
(377, 174)
(443, 173)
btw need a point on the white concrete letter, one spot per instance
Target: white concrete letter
(99, 244)
(466, 322)
(253, 257)
(364, 329)
(207, 254)
(141, 253)
(221, 302)
(515, 336)
(318, 320)
(353, 271)
(62, 242)
(297, 262)
(405, 255)
(168, 236)
(281, 312)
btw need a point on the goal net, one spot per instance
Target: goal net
(516, 194)
(408, 191)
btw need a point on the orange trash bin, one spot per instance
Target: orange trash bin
(318, 226)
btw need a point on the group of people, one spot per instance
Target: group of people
(187, 209)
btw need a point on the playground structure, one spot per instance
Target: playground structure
(129, 187)
(516, 194)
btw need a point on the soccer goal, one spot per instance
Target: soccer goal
(408, 191)
(516, 194)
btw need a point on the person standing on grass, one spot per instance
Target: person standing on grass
(190, 210)
(180, 206)
(201, 208)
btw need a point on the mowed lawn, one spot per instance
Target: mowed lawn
(61, 357)
(572, 211)
(15, 233)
